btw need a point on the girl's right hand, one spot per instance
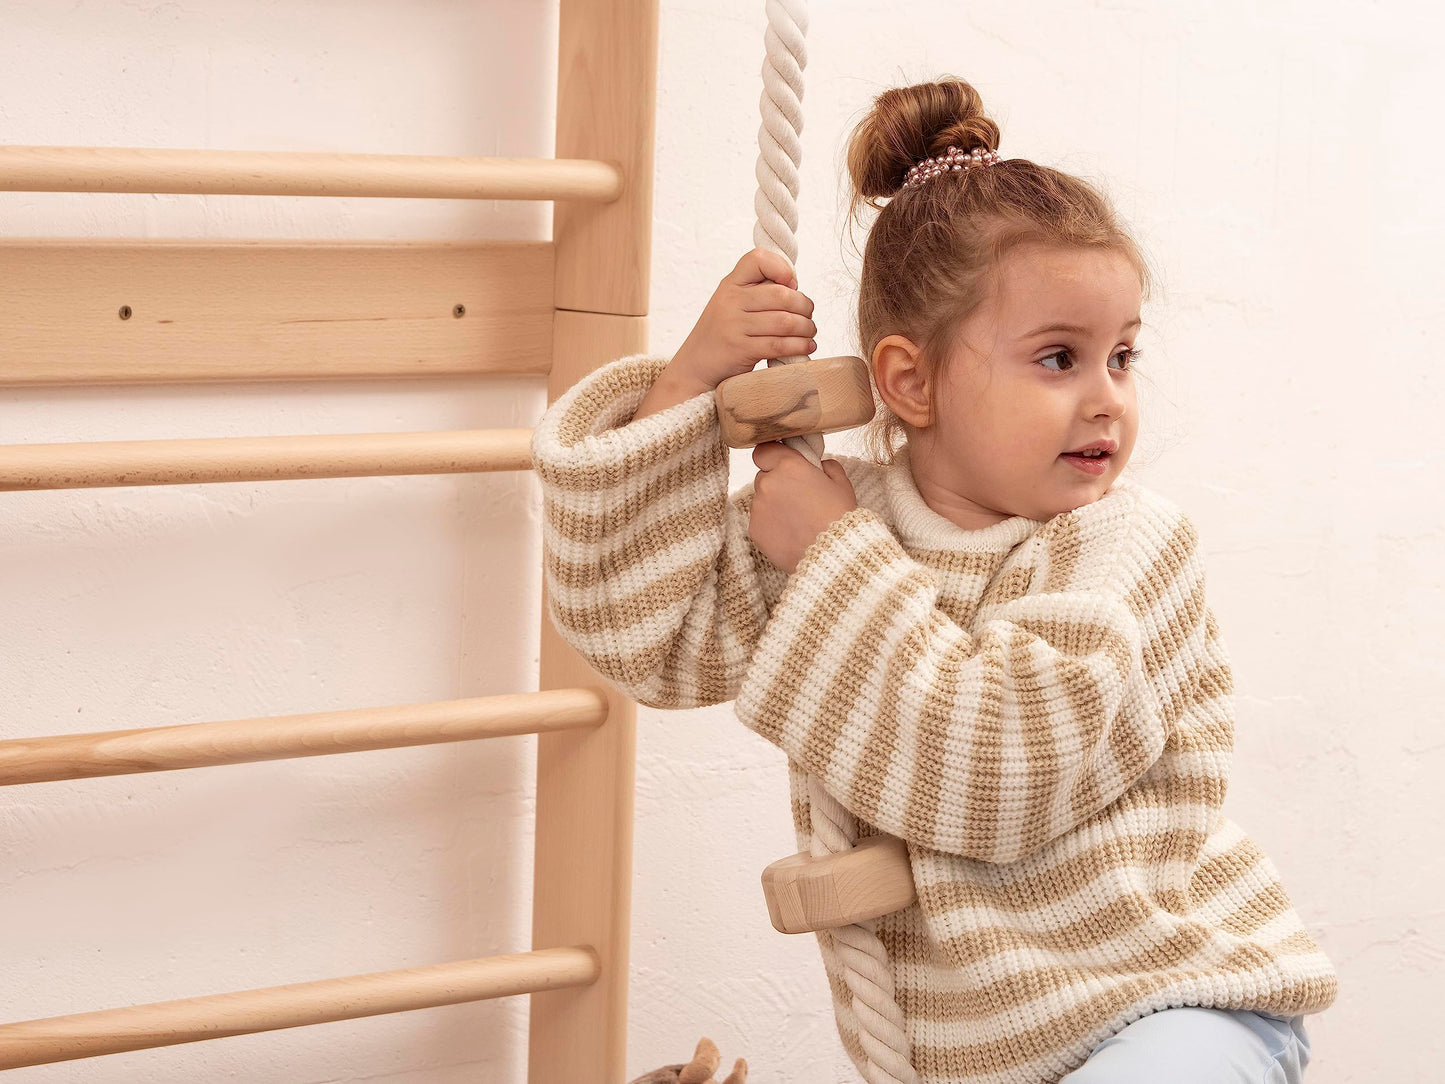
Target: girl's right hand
(755, 313)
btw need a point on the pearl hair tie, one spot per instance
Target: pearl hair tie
(954, 161)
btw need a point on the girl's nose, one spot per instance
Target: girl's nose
(1107, 396)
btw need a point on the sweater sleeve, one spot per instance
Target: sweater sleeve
(650, 574)
(987, 742)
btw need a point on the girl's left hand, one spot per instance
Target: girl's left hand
(794, 502)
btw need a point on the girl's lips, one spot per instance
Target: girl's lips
(1088, 464)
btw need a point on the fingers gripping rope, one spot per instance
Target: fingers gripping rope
(861, 956)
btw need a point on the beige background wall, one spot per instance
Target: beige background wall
(1277, 161)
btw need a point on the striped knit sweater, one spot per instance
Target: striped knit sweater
(1042, 710)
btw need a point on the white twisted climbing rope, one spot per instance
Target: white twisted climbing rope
(860, 954)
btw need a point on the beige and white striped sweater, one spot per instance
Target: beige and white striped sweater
(1042, 710)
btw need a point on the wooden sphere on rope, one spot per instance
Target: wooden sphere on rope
(821, 395)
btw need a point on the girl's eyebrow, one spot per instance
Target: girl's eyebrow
(1076, 329)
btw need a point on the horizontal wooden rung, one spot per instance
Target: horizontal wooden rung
(261, 459)
(166, 1023)
(242, 741)
(299, 173)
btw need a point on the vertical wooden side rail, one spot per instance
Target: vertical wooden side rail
(582, 874)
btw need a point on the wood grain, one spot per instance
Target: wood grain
(242, 310)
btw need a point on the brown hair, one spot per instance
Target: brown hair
(932, 251)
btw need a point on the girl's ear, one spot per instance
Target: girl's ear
(901, 382)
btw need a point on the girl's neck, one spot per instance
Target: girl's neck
(948, 503)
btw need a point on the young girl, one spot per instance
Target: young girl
(985, 639)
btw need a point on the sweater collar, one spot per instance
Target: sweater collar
(920, 526)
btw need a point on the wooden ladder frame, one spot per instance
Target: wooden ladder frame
(120, 311)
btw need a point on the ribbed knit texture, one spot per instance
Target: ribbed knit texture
(1042, 710)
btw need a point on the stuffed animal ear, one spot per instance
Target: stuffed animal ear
(739, 1075)
(666, 1075)
(705, 1061)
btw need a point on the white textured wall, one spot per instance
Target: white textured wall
(1276, 160)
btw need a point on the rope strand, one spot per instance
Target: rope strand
(860, 954)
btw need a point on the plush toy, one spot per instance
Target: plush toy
(705, 1061)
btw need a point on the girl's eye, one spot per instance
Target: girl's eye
(1129, 356)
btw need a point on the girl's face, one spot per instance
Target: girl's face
(1042, 368)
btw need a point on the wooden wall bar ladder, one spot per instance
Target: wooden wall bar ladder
(107, 311)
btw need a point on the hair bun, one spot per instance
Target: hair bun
(909, 124)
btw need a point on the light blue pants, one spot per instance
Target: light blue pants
(1191, 1045)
